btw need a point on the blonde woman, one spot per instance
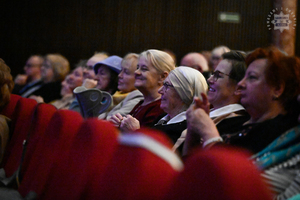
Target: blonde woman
(153, 68)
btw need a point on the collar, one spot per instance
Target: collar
(225, 110)
(178, 118)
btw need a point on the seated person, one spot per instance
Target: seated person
(71, 81)
(32, 75)
(125, 86)
(6, 86)
(269, 94)
(216, 55)
(106, 78)
(196, 61)
(227, 112)
(153, 68)
(53, 71)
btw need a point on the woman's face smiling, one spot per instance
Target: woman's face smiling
(221, 90)
(146, 76)
(171, 102)
(103, 78)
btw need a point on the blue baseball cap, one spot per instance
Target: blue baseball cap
(113, 62)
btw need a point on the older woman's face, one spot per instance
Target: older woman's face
(171, 102)
(65, 88)
(256, 94)
(126, 77)
(103, 78)
(146, 76)
(221, 90)
(75, 79)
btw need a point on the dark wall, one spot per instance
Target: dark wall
(77, 29)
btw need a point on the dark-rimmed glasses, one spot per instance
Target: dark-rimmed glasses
(216, 75)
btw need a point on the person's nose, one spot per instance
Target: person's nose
(241, 85)
(161, 90)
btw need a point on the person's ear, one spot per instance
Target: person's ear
(162, 77)
(278, 90)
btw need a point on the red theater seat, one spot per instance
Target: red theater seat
(53, 146)
(90, 152)
(219, 173)
(41, 119)
(142, 167)
(9, 109)
(19, 128)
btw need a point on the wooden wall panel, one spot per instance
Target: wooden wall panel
(77, 28)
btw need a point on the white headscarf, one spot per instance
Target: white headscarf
(188, 83)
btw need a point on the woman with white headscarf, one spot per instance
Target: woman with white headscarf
(177, 94)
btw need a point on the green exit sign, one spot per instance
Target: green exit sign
(229, 17)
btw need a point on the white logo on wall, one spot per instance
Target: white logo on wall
(281, 21)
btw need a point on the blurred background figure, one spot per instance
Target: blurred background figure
(106, 79)
(216, 55)
(172, 54)
(32, 74)
(196, 61)
(53, 71)
(6, 86)
(71, 81)
(89, 72)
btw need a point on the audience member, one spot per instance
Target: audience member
(6, 86)
(153, 68)
(89, 72)
(106, 79)
(196, 61)
(32, 74)
(71, 81)
(126, 87)
(268, 92)
(227, 112)
(54, 69)
(216, 55)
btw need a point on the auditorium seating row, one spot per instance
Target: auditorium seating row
(63, 156)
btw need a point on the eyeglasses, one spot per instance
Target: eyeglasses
(216, 75)
(167, 85)
(32, 65)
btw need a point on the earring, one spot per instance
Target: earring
(275, 98)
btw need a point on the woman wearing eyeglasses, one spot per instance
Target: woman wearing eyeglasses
(177, 93)
(153, 68)
(222, 94)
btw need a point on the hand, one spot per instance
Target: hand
(116, 119)
(198, 120)
(129, 123)
(89, 83)
(39, 99)
(21, 79)
(204, 104)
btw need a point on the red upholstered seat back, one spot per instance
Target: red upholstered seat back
(53, 146)
(141, 168)
(220, 173)
(41, 119)
(90, 152)
(19, 128)
(9, 109)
